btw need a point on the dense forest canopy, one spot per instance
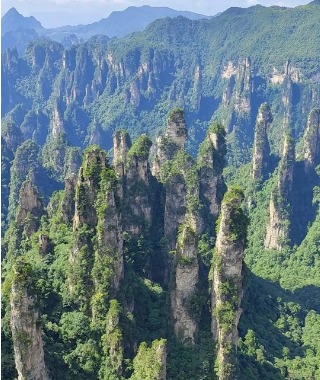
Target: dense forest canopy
(160, 202)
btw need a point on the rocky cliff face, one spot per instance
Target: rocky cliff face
(121, 146)
(168, 144)
(312, 141)
(26, 330)
(261, 149)
(211, 162)
(30, 208)
(286, 166)
(227, 290)
(186, 280)
(98, 231)
(169, 148)
(277, 234)
(137, 196)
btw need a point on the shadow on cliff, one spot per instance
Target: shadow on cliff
(303, 211)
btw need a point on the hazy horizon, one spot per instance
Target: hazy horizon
(55, 13)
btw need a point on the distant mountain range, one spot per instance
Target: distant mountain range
(18, 31)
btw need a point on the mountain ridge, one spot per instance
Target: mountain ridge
(117, 24)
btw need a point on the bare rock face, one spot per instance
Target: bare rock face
(242, 96)
(87, 187)
(175, 208)
(227, 289)
(277, 233)
(121, 146)
(137, 194)
(57, 126)
(312, 141)
(287, 96)
(68, 204)
(277, 228)
(30, 208)
(211, 162)
(285, 177)
(186, 280)
(261, 149)
(26, 333)
(167, 145)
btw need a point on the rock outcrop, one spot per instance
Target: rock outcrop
(98, 232)
(277, 233)
(277, 229)
(312, 141)
(243, 87)
(261, 149)
(211, 159)
(227, 290)
(168, 144)
(186, 280)
(26, 330)
(137, 197)
(286, 166)
(30, 208)
(121, 146)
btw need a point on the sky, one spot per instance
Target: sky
(54, 13)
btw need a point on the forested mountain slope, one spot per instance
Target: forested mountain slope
(192, 252)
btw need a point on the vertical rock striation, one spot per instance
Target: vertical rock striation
(186, 280)
(211, 163)
(98, 233)
(261, 149)
(227, 288)
(312, 141)
(168, 144)
(137, 194)
(277, 233)
(30, 208)
(26, 332)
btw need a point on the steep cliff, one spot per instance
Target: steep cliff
(170, 142)
(261, 149)
(211, 160)
(312, 141)
(185, 282)
(30, 208)
(227, 288)
(98, 233)
(25, 326)
(137, 197)
(278, 228)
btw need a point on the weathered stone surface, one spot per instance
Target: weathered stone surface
(277, 233)
(227, 288)
(285, 176)
(277, 228)
(137, 195)
(186, 280)
(30, 208)
(167, 145)
(312, 141)
(26, 331)
(261, 149)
